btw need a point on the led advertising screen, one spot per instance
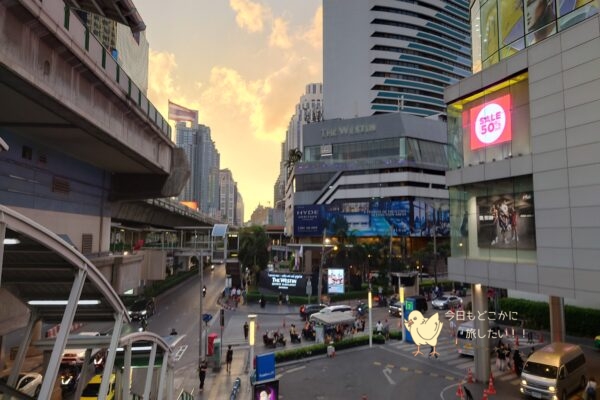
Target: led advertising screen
(491, 123)
(506, 221)
(335, 280)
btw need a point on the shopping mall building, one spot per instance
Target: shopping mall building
(524, 164)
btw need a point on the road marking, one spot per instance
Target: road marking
(387, 372)
(289, 371)
(179, 352)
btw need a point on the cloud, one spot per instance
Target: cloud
(279, 34)
(314, 35)
(249, 15)
(161, 67)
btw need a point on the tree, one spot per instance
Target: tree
(294, 156)
(254, 244)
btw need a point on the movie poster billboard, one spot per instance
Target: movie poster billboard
(335, 281)
(506, 221)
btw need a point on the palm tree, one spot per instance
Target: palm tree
(294, 156)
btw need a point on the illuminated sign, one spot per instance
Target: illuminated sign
(335, 280)
(491, 123)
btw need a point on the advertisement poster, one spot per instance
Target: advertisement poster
(540, 19)
(489, 29)
(506, 221)
(571, 12)
(491, 123)
(373, 218)
(512, 26)
(266, 390)
(335, 280)
(308, 220)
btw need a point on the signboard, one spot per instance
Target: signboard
(409, 306)
(376, 217)
(506, 221)
(284, 281)
(491, 123)
(335, 280)
(266, 390)
(265, 367)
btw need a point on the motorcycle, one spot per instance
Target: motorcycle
(143, 324)
(204, 291)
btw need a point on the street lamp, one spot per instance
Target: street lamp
(370, 302)
(401, 296)
(251, 334)
(200, 314)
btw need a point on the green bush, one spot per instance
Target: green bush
(579, 321)
(321, 348)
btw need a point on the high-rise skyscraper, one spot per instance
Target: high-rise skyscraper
(203, 186)
(227, 197)
(384, 56)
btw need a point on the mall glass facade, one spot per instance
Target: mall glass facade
(501, 28)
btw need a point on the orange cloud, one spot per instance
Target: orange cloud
(279, 34)
(249, 15)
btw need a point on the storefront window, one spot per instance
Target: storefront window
(494, 220)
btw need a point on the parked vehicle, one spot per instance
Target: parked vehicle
(554, 372)
(446, 302)
(306, 310)
(28, 383)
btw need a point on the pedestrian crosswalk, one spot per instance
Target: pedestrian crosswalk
(448, 355)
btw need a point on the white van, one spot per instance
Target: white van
(554, 371)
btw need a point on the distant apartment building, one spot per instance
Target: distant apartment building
(385, 56)
(227, 197)
(131, 50)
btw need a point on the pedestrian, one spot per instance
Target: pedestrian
(262, 301)
(529, 337)
(379, 327)
(518, 362)
(280, 298)
(287, 298)
(468, 395)
(229, 358)
(246, 327)
(590, 389)
(202, 373)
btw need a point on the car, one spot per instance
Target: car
(28, 383)
(77, 356)
(306, 310)
(90, 392)
(597, 342)
(446, 302)
(419, 301)
(144, 307)
(336, 308)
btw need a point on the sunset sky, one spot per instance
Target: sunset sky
(244, 65)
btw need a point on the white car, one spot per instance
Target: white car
(28, 383)
(336, 308)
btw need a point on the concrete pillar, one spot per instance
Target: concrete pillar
(482, 326)
(557, 319)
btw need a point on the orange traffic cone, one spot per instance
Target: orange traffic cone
(459, 391)
(485, 395)
(470, 376)
(491, 389)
